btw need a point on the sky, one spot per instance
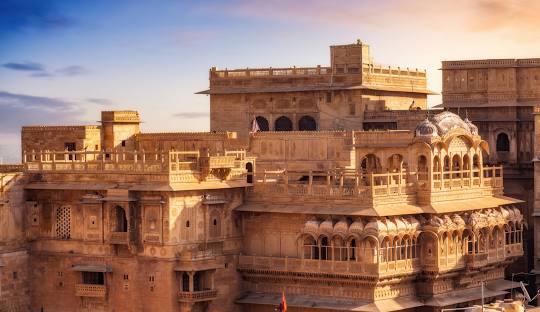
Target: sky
(62, 62)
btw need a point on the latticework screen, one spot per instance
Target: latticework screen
(63, 222)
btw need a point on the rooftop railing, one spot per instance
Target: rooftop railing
(367, 186)
(273, 72)
(171, 166)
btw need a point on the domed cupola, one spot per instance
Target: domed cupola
(447, 121)
(426, 129)
(472, 127)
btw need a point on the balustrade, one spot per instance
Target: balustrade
(172, 166)
(119, 238)
(90, 290)
(196, 296)
(329, 266)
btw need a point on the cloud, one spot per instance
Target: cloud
(517, 19)
(74, 70)
(100, 101)
(24, 66)
(22, 15)
(39, 70)
(23, 101)
(192, 115)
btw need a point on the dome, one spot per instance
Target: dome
(341, 227)
(458, 221)
(312, 227)
(447, 121)
(357, 227)
(426, 129)
(472, 128)
(401, 225)
(414, 225)
(517, 214)
(326, 227)
(391, 227)
(376, 227)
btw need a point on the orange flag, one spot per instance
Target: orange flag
(283, 303)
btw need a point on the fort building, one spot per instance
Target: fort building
(313, 98)
(499, 96)
(353, 196)
(340, 220)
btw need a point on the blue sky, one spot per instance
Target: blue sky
(61, 62)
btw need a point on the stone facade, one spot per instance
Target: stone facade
(314, 98)
(338, 219)
(328, 201)
(499, 97)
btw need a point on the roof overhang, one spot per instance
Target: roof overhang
(322, 87)
(91, 268)
(462, 296)
(331, 303)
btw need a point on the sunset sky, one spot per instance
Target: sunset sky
(61, 62)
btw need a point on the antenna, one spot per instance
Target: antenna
(525, 292)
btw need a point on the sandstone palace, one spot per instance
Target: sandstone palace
(334, 185)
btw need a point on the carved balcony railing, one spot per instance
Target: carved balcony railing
(90, 290)
(405, 266)
(476, 260)
(154, 166)
(367, 187)
(197, 296)
(514, 250)
(119, 238)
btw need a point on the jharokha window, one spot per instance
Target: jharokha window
(94, 278)
(63, 222)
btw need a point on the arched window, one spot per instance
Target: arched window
(456, 166)
(368, 252)
(249, 169)
(283, 124)
(340, 250)
(185, 281)
(466, 163)
(63, 222)
(352, 249)
(422, 163)
(263, 123)
(121, 220)
(503, 143)
(468, 241)
(370, 163)
(325, 248)
(307, 123)
(446, 163)
(436, 164)
(311, 249)
(215, 225)
(395, 163)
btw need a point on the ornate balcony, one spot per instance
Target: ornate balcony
(328, 266)
(90, 290)
(476, 260)
(119, 238)
(514, 250)
(197, 296)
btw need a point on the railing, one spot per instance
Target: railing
(514, 250)
(347, 183)
(265, 72)
(119, 238)
(11, 168)
(476, 260)
(172, 166)
(195, 296)
(90, 290)
(328, 266)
